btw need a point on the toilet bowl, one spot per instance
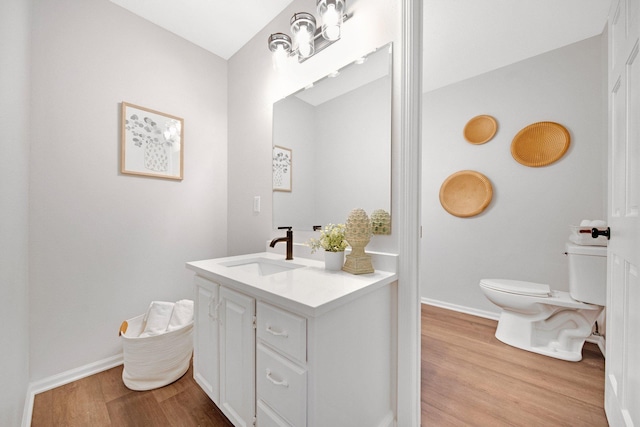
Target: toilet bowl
(554, 323)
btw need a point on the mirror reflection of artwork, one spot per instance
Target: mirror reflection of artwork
(151, 143)
(340, 129)
(282, 169)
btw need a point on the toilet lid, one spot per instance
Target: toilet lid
(517, 287)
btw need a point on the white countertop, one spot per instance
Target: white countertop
(310, 290)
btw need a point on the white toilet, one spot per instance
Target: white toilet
(549, 322)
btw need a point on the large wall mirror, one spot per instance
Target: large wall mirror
(335, 139)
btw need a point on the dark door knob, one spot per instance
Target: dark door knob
(595, 233)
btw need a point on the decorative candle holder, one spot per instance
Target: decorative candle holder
(358, 234)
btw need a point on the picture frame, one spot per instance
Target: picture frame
(152, 143)
(282, 162)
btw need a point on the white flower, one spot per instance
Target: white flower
(331, 239)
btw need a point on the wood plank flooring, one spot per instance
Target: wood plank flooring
(103, 400)
(469, 378)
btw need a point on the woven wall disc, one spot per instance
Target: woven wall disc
(466, 193)
(480, 129)
(540, 144)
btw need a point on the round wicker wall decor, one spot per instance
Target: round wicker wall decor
(480, 129)
(466, 193)
(540, 144)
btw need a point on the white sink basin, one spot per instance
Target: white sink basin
(261, 266)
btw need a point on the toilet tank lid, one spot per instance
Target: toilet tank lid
(518, 287)
(574, 249)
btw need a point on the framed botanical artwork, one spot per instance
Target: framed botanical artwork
(281, 168)
(152, 143)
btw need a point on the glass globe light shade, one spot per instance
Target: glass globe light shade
(303, 28)
(331, 14)
(280, 45)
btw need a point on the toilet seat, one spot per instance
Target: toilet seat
(518, 287)
(518, 292)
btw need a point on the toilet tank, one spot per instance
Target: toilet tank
(588, 273)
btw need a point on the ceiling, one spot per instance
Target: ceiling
(219, 26)
(461, 38)
(464, 38)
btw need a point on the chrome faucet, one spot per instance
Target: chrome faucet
(288, 239)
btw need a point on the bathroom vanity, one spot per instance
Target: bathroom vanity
(288, 343)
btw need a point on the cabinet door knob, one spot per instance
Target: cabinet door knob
(211, 301)
(213, 315)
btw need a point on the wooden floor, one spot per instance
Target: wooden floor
(469, 378)
(103, 400)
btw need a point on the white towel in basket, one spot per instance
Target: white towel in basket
(157, 318)
(182, 314)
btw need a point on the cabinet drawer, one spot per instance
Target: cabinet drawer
(282, 385)
(265, 417)
(282, 330)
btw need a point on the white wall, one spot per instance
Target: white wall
(254, 86)
(14, 204)
(522, 233)
(103, 245)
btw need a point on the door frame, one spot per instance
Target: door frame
(409, 372)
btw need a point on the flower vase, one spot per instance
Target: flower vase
(333, 261)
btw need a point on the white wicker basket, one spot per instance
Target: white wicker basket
(155, 361)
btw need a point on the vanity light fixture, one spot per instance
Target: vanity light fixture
(280, 45)
(306, 39)
(303, 29)
(331, 13)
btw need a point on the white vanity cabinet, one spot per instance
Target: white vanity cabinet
(206, 366)
(237, 356)
(224, 349)
(302, 348)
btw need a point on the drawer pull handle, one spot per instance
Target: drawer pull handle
(276, 333)
(282, 383)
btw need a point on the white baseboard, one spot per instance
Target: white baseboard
(462, 309)
(65, 378)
